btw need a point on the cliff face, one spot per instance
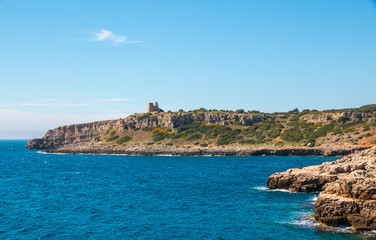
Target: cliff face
(72, 134)
(347, 116)
(85, 132)
(174, 120)
(348, 129)
(348, 186)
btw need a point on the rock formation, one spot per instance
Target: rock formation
(348, 186)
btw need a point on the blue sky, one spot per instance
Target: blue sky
(64, 62)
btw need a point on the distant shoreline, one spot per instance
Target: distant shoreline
(170, 151)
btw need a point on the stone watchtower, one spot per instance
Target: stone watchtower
(152, 107)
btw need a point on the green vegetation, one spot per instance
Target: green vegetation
(97, 139)
(198, 130)
(280, 128)
(157, 136)
(123, 140)
(262, 132)
(144, 116)
(112, 138)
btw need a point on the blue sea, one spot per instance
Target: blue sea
(62, 196)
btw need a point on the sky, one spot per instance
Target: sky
(66, 62)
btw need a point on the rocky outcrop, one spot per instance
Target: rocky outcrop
(348, 186)
(76, 133)
(90, 148)
(309, 179)
(85, 132)
(346, 116)
(174, 120)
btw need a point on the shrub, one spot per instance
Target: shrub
(158, 136)
(97, 139)
(248, 141)
(240, 111)
(342, 120)
(192, 136)
(294, 111)
(203, 145)
(226, 138)
(123, 140)
(113, 133)
(112, 138)
(145, 116)
(169, 144)
(292, 135)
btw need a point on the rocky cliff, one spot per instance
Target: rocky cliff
(348, 189)
(85, 132)
(329, 132)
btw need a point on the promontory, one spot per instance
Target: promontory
(219, 132)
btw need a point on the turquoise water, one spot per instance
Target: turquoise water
(57, 196)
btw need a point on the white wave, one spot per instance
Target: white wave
(41, 152)
(272, 190)
(306, 222)
(313, 198)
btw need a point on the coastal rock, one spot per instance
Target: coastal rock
(309, 179)
(348, 186)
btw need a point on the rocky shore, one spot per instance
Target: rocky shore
(89, 148)
(347, 189)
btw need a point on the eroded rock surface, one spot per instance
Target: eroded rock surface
(348, 188)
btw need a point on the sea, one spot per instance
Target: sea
(64, 196)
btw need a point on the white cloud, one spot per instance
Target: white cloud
(107, 35)
(113, 100)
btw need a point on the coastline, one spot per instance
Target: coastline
(208, 151)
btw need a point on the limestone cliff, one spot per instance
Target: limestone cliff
(325, 130)
(85, 132)
(348, 186)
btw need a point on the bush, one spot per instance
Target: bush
(248, 141)
(203, 145)
(169, 144)
(145, 116)
(157, 136)
(112, 138)
(123, 140)
(294, 111)
(97, 139)
(240, 111)
(113, 133)
(226, 138)
(192, 136)
(292, 135)
(342, 120)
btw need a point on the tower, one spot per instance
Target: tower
(152, 108)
